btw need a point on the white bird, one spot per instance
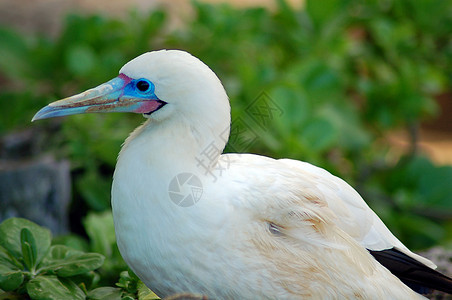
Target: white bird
(261, 228)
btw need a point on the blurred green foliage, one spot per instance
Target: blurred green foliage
(342, 74)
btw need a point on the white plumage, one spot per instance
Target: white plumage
(262, 229)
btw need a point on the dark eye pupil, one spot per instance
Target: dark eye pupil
(142, 85)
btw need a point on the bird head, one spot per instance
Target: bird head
(161, 85)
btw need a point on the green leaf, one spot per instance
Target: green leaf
(10, 237)
(106, 293)
(130, 274)
(72, 241)
(11, 275)
(29, 250)
(89, 279)
(101, 231)
(65, 262)
(6, 259)
(144, 293)
(52, 287)
(10, 278)
(128, 281)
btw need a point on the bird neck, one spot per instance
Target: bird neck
(169, 149)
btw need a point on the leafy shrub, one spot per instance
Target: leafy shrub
(31, 266)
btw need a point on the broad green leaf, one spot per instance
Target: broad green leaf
(6, 259)
(101, 231)
(10, 278)
(89, 279)
(29, 249)
(105, 293)
(11, 275)
(144, 293)
(53, 288)
(72, 241)
(10, 237)
(65, 262)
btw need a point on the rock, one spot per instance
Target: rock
(35, 188)
(443, 259)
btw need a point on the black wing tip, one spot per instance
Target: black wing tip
(419, 277)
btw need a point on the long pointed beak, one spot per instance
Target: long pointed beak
(116, 95)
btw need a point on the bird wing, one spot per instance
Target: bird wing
(355, 217)
(292, 178)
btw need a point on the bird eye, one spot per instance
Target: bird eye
(274, 229)
(144, 85)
